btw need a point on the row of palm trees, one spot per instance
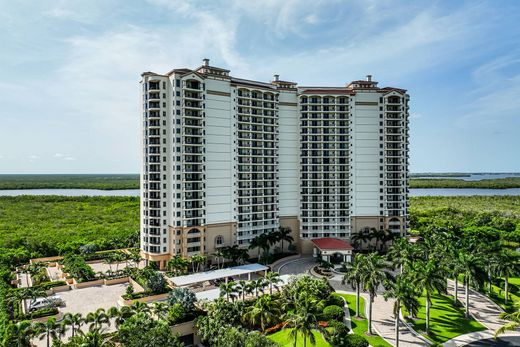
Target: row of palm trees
(92, 328)
(264, 242)
(425, 267)
(373, 239)
(240, 289)
(179, 265)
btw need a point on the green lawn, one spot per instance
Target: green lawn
(360, 327)
(446, 321)
(283, 338)
(498, 295)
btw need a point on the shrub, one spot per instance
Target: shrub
(130, 289)
(44, 312)
(76, 267)
(335, 300)
(333, 312)
(336, 336)
(52, 284)
(183, 296)
(353, 340)
(139, 295)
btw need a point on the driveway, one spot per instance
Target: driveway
(296, 266)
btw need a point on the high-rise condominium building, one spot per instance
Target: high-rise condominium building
(225, 159)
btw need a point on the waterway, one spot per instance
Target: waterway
(135, 192)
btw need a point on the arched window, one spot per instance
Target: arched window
(219, 240)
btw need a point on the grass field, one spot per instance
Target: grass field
(104, 182)
(498, 294)
(360, 327)
(446, 321)
(504, 205)
(284, 339)
(52, 224)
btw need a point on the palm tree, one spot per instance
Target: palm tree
(401, 253)
(405, 295)
(49, 330)
(160, 309)
(428, 276)
(228, 290)
(138, 307)
(272, 279)
(284, 234)
(217, 255)
(303, 320)
(74, 320)
(97, 319)
(506, 266)
(470, 265)
(22, 332)
(360, 238)
(373, 276)
(258, 285)
(263, 313)
(241, 289)
(513, 324)
(259, 242)
(378, 235)
(353, 276)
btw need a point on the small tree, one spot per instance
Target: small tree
(130, 289)
(183, 296)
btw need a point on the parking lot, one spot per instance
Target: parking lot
(90, 299)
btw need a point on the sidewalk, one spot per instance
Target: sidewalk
(384, 324)
(484, 310)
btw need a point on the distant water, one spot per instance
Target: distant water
(135, 192)
(475, 176)
(70, 192)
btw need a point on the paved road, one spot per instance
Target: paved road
(295, 266)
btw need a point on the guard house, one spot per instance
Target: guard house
(333, 250)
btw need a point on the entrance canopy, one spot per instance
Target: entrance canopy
(329, 249)
(217, 274)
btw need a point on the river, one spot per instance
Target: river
(135, 192)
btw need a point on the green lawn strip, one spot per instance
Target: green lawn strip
(283, 338)
(446, 321)
(360, 327)
(497, 295)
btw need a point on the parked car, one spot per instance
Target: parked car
(48, 302)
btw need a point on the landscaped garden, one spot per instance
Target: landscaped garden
(446, 320)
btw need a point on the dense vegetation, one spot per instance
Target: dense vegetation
(52, 225)
(131, 181)
(495, 183)
(105, 182)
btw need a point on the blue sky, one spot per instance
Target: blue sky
(69, 71)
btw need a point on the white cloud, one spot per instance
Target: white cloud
(58, 155)
(70, 158)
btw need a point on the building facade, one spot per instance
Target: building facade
(225, 159)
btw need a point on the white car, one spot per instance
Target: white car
(50, 301)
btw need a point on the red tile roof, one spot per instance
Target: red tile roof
(332, 243)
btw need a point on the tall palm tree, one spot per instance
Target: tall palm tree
(284, 234)
(217, 255)
(22, 332)
(354, 276)
(471, 265)
(241, 289)
(259, 242)
(506, 266)
(405, 295)
(49, 330)
(258, 285)
(401, 253)
(97, 319)
(428, 276)
(303, 320)
(360, 238)
(373, 276)
(272, 279)
(264, 312)
(228, 290)
(74, 320)
(378, 235)
(513, 324)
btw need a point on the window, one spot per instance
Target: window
(219, 240)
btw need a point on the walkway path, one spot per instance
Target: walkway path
(484, 310)
(384, 324)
